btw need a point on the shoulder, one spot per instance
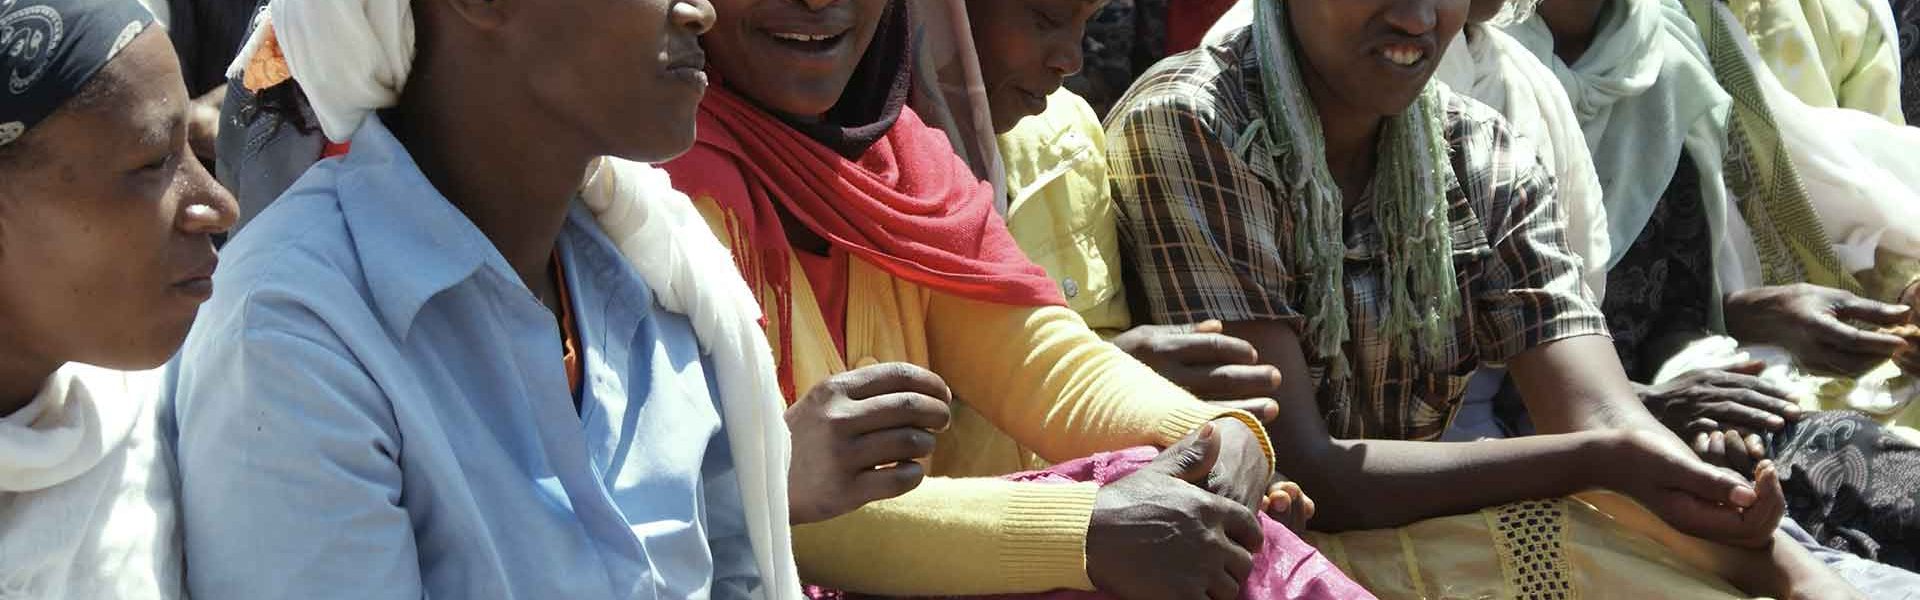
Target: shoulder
(1209, 84)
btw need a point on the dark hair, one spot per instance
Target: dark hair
(284, 101)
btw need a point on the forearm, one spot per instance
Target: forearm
(1372, 484)
(955, 537)
(1770, 571)
(1053, 386)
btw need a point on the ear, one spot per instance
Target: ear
(484, 15)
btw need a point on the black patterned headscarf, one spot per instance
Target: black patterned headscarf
(49, 49)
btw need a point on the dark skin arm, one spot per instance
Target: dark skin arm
(1607, 441)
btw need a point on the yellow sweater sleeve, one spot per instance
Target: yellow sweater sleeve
(972, 536)
(1054, 386)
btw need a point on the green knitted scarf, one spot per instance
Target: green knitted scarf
(1409, 191)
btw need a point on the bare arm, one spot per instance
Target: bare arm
(1367, 484)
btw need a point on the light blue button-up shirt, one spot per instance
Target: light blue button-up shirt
(374, 406)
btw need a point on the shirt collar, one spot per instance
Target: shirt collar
(412, 242)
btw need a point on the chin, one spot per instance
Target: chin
(662, 143)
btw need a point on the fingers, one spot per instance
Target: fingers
(886, 482)
(1772, 503)
(1734, 453)
(1205, 349)
(1242, 527)
(1225, 381)
(1711, 484)
(1223, 587)
(889, 446)
(1239, 564)
(1855, 308)
(1264, 409)
(1751, 367)
(1735, 412)
(1840, 337)
(1191, 459)
(892, 378)
(893, 411)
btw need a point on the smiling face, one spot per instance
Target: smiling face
(1027, 48)
(790, 56)
(106, 221)
(1372, 56)
(627, 73)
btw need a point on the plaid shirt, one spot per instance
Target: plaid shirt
(1210, 233)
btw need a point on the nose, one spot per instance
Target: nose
(1414, 17)
(206, 208)
(1066, 58)
(693, 15)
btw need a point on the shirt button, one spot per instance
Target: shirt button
(1070, 287)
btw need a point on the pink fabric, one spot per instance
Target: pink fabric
(1285, 569)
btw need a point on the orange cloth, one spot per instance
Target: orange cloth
(570, 347)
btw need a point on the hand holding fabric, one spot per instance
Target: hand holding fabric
(1811, 322)
(1723, 412)
(856, 437)
(1156, 534)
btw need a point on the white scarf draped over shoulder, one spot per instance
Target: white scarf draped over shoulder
(352, 57)
(1490, 66)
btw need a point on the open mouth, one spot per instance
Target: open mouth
(808, 42)
(1403, 55)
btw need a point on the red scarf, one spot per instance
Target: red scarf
(909, 205)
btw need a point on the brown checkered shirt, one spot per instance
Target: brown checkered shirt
(1210, 231)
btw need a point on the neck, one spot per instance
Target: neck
(1573, 24)
(476, 143)
(1351, 139)
(20, 381)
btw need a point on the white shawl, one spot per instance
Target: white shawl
(352, 57)
(86, 496)
(1490, 66)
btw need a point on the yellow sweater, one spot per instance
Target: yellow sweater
(1024, 379)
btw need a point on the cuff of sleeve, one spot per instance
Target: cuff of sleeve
(1045, 536)
(1187, 419)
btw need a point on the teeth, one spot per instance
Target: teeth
(801, 37)
(1404, 56)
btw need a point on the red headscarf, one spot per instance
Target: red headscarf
(908, 204)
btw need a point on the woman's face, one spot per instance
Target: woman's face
(1027, 48)
(106, 221)
(627, 73)
(1372, 56)
(792, 56)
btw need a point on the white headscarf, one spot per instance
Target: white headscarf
(352, 57)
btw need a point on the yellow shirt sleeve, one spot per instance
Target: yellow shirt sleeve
(970, 536)
(1007, 361)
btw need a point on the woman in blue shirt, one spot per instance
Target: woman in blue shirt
(427, 370)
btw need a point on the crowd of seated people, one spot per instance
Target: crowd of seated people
(784, 299)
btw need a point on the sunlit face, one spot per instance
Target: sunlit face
(628, 73)
(106, 221)
(1027, 48)
(1372, 56)
(794, 57)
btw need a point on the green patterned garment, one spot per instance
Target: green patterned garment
(1792, 244)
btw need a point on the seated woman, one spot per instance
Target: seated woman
(1788, 269)
(440, 367)
(1249, 185)
(892, 287)
(105, 260)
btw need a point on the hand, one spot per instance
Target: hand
(203, 123)
(1156, 535)
(1289, 505)
(856, 437)
(1735, 448)
(1909, 359)
(1723, 411)
(1241, 473)
(1810, 322)
(1694, 497)
(1208, 363)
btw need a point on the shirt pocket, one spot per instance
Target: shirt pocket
(1068, 225)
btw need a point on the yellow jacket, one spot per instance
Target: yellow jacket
(1024, 379)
